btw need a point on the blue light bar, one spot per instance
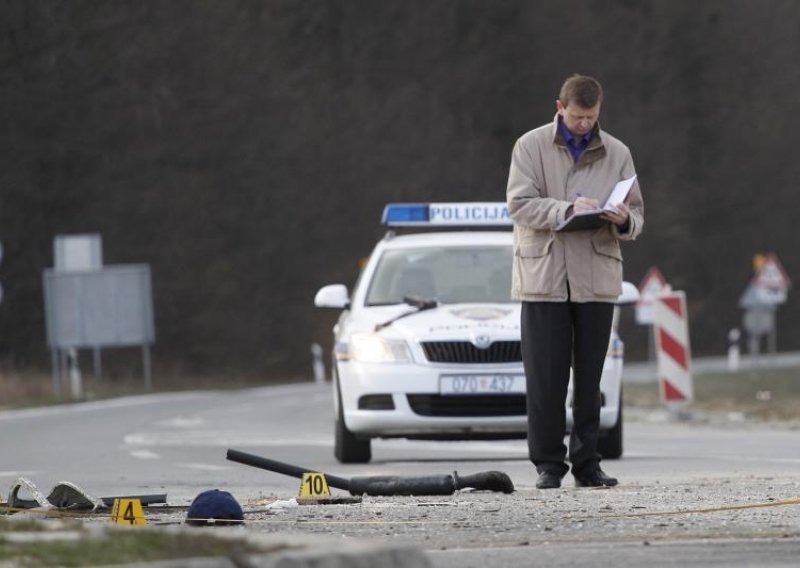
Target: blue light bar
(443, 214)
(400, 214)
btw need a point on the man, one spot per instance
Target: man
(568, 281)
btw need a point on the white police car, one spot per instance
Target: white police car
(428, 344)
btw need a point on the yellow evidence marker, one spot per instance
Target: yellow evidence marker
(314, 484)
(128, 512)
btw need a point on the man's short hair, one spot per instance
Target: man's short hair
(581, 90)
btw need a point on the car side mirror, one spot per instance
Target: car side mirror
(630, 294)
(332, 296)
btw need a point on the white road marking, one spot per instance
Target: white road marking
(145, 455)
(180, 422)
(462, 446)
(215, 438)
(205, 466)
(712, 457)
(17, 473)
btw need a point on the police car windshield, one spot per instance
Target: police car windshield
(447, 274)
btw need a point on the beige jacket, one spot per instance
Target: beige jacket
(543, 182)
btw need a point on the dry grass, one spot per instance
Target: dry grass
(767, 394)
(25, 389)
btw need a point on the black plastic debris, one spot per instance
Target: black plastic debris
(65, 496)
(388, 485)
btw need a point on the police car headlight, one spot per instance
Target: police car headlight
(372, 348)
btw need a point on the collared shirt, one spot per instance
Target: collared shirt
(576, 146)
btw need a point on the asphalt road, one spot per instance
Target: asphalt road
(691, 492)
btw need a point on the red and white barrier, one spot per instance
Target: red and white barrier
(671, 326)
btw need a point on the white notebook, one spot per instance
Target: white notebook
(590, 219)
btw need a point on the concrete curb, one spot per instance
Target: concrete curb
(328, 555)
(257, 550)
(357, 555)
(262, 551)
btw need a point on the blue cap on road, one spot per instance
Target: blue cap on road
(214, 507)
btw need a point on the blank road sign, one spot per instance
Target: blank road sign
(111, 307)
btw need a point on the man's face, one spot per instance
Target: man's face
(577, 119)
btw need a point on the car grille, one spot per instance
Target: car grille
(491, 405)
(466, 352)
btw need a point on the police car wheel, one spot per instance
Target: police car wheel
(347, 448)
(610, 445)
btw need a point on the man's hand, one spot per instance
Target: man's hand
(620, 218)
(585, 204)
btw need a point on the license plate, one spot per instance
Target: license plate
(481, 384)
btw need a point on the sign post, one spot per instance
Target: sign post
(766, 291)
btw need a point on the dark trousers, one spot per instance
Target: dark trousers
(556, 336)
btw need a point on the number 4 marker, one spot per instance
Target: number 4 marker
(128, 512)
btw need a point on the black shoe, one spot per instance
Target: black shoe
(548, 480)
(596, 478)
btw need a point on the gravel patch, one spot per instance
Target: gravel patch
(752, 507)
